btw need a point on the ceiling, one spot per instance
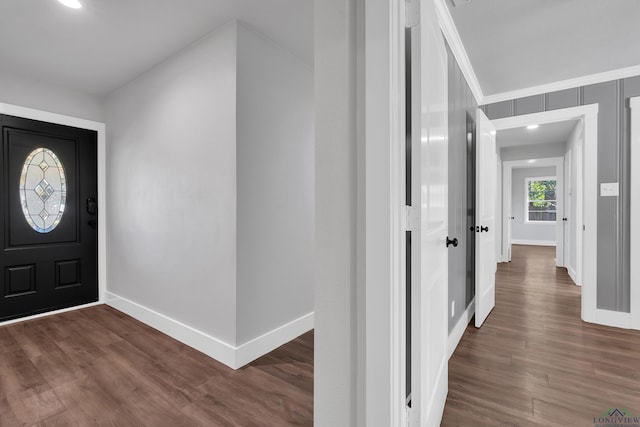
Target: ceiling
(519, 44)
(549, 133)
(107, 43)
(511, 44)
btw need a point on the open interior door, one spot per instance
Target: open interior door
(429, 292)
(486, 190)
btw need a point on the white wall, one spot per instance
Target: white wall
(339, 357)
(25, 92)
(211, 183)
(171, 157)
(522, 231)
(275, 161)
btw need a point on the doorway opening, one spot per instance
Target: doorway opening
(583, 193)
(534, 207)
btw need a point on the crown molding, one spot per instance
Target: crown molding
(620, 73)
(452, 36)
(459, 52)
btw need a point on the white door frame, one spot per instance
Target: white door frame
(61, 119)
(634, 276)
(507, 186)
(589, 115)
(383, 399)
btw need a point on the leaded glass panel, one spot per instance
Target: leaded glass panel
(43, 190)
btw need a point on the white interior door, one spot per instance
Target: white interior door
(579, 221)
(429, 328)
(486, 189)
(509, 229)
(567, 218)
(507, 211)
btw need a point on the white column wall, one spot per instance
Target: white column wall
(171, 171)
(275, 178)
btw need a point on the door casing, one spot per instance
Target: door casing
(506, 190)
(588, 266)
(45, 116)
(635, 207)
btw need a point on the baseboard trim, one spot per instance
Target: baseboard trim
(50, 313)
(257, 347)
(458, 331)
(533, 242)
(573, 275)
(233, 356)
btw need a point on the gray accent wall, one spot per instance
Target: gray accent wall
(462, 109)
(613, 166)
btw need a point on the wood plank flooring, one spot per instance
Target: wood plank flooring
(99, 367)
(534, 362)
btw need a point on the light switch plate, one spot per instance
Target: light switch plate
(609, 189)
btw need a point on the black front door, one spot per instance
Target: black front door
(48, 217)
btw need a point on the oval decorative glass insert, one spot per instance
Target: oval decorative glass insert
(43, 190)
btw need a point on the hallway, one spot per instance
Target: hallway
(534, 362)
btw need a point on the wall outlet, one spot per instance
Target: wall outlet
(609, 189)
(453, 308)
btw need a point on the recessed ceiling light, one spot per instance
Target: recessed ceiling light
(532, 127)
(532, 161)
(493, 132)
(73, 4)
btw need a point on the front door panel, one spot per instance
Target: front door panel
(48, 236)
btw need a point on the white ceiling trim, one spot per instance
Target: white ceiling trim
(621, 73)
(459, 52)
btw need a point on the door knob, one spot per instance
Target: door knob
(92, 206)
(564, 219)
(453, 242)
(484, 228)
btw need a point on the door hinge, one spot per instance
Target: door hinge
(411, 13)
(409, 218)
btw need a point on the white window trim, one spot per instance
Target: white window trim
(526, 199)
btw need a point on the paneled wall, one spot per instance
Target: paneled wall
(462, 106)
(613, 166)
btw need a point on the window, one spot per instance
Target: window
(541, 201)
(43, 190)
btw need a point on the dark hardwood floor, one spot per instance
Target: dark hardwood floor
(534, 362)
(97, 366)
